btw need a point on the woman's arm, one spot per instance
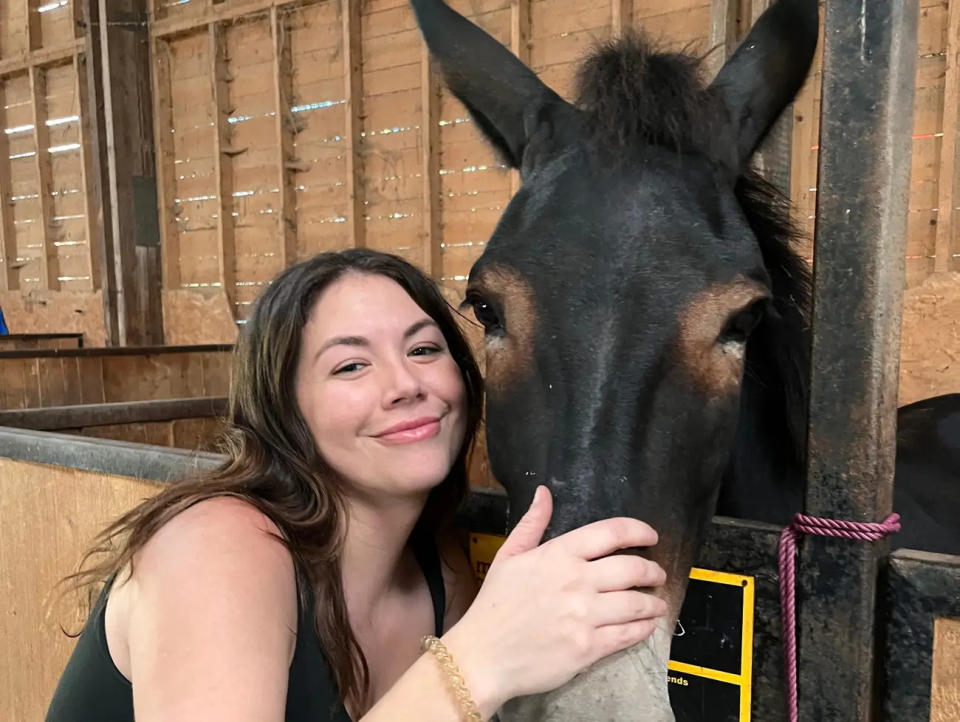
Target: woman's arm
(213, 618)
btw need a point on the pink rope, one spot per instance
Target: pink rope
(815, 526)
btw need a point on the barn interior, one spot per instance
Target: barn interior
(162, 160)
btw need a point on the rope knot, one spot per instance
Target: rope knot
(814, 526)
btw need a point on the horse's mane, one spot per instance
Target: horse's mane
(629, 94)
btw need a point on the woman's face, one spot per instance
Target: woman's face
(376, 383)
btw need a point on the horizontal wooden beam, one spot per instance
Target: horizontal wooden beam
(54, 418)
(45, 56)
(214, 14)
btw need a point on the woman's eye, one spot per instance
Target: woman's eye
(424, 351)
(349, 368)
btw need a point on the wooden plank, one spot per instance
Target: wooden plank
(723, 33)
(353, 96)
(88, 173)
(22, 62)
(621, 13)
(431, 231)
(220, 12)
(223, 165)
(9, 278)
(31, 29)
(520, 46)
(949, 185)
(160, 62)
(127, 172)
(96, 176)
(49, 273)
(286, 131)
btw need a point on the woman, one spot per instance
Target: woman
(297, 581)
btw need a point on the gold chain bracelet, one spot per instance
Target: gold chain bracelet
(471, 713)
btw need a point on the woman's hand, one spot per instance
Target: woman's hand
(548, 611)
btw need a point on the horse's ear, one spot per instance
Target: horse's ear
(766, 71)
(509, 103)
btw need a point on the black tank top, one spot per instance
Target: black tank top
(92, 689)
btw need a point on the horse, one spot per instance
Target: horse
(645, 315)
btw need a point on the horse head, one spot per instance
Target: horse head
(620, 289)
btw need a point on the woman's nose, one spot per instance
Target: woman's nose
(403, 385)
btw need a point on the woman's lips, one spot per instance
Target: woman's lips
(421, 432)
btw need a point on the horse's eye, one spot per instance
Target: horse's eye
(742, 323)
(486, 315)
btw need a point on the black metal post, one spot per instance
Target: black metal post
(862, 201)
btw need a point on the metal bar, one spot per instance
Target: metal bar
(17, 64)
(947, 198)
(94, 352)
(866, 123)
(520, 46)
(9, 277)
(160, 62)
(353, 93)
(120, 458)
(222, 12)
(223, 166)
(49, 271)
(286, 130)
(431, 233)
(54, 418)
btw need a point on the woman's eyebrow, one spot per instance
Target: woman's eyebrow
(362, 341)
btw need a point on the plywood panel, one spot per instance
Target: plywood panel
(48, 517)
(945, 690)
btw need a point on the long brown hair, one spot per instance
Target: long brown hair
(272, 459)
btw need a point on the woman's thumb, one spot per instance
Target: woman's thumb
(529, 530)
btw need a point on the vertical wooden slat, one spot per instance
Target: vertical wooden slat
(430, 166)
(160, 61)
(283, 95)
(621, 13)
(520, 46)
(87, 173)
(31, 20)
(949, 182)
(223, 166)
(723, 33)
(49, 271)
(353, 95)
(9, 278)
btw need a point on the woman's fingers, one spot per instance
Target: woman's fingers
(624, 607)
(625, 571)
(606, 536)
(616, 637)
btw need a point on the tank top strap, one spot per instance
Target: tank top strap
(428, 557)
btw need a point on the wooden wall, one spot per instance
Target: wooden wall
(48, 516)
(286, 127)
(945, 692)
(49, 269)
(91, 376)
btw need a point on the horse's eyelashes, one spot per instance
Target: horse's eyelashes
(740, 325)
(486, 314)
